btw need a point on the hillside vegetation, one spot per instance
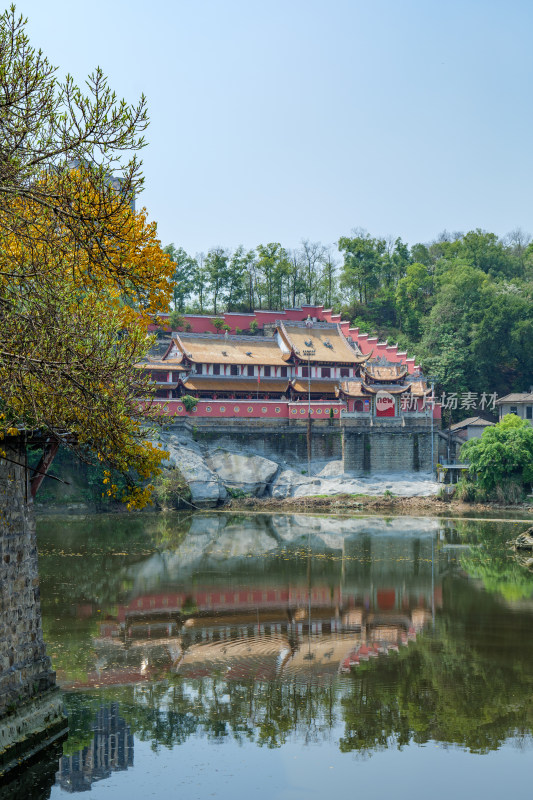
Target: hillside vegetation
(462, 304)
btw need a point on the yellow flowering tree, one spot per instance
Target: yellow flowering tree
(81, 274)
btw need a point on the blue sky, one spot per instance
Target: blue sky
(277, 121)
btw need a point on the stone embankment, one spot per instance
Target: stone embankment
(31, 708)
(219, 470)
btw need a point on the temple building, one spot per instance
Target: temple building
(293, 381)
(313, 361)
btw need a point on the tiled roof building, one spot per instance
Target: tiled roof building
(296, 356)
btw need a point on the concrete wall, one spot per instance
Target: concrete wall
(287, 443)
(384, 449)
(26, 675)
(364, 448)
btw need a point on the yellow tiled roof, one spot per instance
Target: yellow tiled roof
(209, 384)
(419, 388)
(328, 343)
(317, 387)
(213, 349)
(390, 372)
(170, 364)
(352, 388)
(389, 389)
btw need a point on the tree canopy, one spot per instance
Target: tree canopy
(503, 453)
(81, 274)
(447, 302)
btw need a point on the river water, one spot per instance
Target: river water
(287, 656)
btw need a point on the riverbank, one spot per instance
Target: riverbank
(337, 504)
(371, 503)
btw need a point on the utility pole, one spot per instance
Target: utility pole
(308, 353)
(432, 378)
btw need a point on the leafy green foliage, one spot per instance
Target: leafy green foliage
(447, 302)
(171, 490)
(189, 402)
(183, 277)
(503, 453)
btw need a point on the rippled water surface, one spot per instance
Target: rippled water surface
(287, 656)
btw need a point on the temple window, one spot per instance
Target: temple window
(216, 369)
(345, 372)
(283, 372)
(266, 372)
(305, 372)
(250, 369)
(234, 369)
(326, 372)
(199, 369)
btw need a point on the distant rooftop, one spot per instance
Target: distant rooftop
(477, 422)
(518, 397)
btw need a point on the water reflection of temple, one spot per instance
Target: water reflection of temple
(371, 598)
(111, 750)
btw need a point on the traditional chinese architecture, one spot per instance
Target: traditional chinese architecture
(297, 365)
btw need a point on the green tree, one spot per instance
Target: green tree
(237, 289)
(183, 277)
(448, 329)
(273, 267)
(329, 279)
(312, 260)
(217, 268)
(412, 298)
(295, 280)
(484, 251)
(420, 254)
(176, 320)
(363, 264)
(81, 274)
(503, 453)
(201, 282)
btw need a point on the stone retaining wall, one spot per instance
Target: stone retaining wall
(25, 669)
(384, 446)
(275, 441)
(384, 449)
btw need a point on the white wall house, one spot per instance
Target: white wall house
(520, 404)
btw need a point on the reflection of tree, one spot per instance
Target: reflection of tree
(435, 691)
(470, 684)
(264, 713)
(71, 651)
(492, 561)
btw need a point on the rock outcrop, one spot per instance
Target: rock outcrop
(214, 472)
(243, 473)
(206, 487)
(289, 480)
(524, 541)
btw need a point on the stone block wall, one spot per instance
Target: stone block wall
(25, 669)
(387, 450)
(279, 442)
